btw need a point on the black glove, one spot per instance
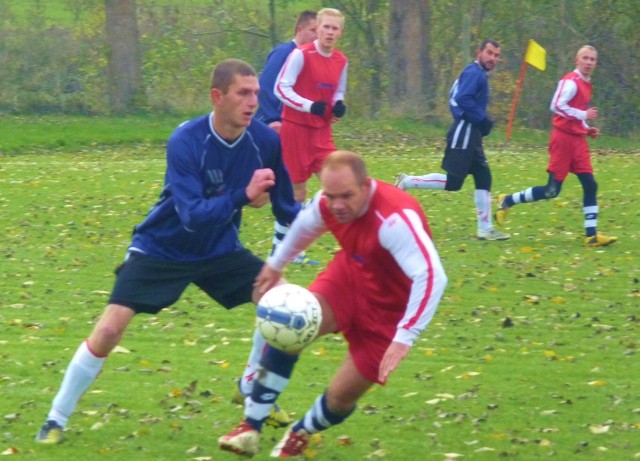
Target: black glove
(318, 108)
(339, 109)
(485, 125)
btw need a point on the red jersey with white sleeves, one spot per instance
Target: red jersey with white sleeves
(570, 103)
(309, 75)
(388, 250)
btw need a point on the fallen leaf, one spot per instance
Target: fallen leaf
(121, 350)
(599, 428)
(381, 453)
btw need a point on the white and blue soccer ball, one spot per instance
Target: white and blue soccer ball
(288, 317)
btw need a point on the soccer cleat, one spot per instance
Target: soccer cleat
(277, 418)
(493, 234)
(599, 240)
(241, 440)
(292, 444)
(501, 213)
(400, 181)
(50, 433)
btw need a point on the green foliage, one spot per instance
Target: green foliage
(531, 354)
(54, 54)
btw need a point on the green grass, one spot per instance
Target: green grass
(532, 355)
(81, 134)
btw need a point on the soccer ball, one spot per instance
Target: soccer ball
(288, 317)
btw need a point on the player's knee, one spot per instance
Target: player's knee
(553, 187)
(104, 338)
(551, 191)
(482, 178)
(454, 183)
(589, 184)
(300, 192)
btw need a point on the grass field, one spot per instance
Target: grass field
(532, 355)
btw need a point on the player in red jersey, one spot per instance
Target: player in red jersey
(568, 148)
(380, 290)
(312, 85)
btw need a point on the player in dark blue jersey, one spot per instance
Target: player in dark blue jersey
(269, 106)
(270, 112)
(216, 164)
(464, 154)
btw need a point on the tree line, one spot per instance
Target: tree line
(120, 56)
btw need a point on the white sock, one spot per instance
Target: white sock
(80, 374)
(250, 371)
(428, 181)
(483, 207)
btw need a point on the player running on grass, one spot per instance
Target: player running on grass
(568, 148)
(380, 290)
(216, 164)
(464, 154)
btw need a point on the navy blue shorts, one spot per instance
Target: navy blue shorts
(148, 284)
(464, 153)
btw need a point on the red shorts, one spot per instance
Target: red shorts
(304, 149)
(367, 327)
(568, 153)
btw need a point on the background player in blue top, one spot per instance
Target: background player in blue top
(464, 153)
(270, 112)
(216, 164)
(270, 107)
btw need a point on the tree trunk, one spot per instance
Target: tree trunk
(125, 78)
(273, 34)
(411, 75)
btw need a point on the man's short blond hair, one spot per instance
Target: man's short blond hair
(584, 48)
(330, 12)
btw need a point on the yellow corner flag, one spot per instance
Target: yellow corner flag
(536, 55)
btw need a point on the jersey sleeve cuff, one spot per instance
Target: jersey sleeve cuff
(404, 336)
(239, 198)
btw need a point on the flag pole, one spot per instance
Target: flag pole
(523, 69)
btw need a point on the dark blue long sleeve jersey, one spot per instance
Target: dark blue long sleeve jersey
(469, 94)
(269, 106)
(199, 211)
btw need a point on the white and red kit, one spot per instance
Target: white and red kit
(568, 147)
(386, 281)
(309, 75)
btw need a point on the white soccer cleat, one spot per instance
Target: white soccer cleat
(493, 234)
(400, 181)
(241, 440)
